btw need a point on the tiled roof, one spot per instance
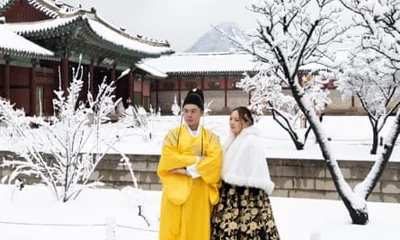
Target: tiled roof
(101, 29)
(13, 44)
(189, 63)
(57, 9)
(52, 9)
(151, 70)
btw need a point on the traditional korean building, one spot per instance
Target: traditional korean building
(216, 74)
(43, 40)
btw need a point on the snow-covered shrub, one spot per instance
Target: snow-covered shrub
(137, 117)
(175, 108)
(65, 152)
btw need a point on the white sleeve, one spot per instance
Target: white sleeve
(192, 171)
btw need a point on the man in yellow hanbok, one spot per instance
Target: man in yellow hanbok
(189, 170)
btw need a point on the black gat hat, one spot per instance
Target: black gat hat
(195, 96)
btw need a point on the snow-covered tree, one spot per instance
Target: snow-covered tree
(138, 118)
(379, 22)
(134, 195)
(265, 89)
(159, 111)
(65, 152)
(370, 77)
(175, 108)
(207, 108)
(294, 33)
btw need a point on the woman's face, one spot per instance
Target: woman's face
(236, 123)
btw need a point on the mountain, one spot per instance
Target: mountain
(214, 41)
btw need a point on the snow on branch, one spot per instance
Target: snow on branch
(292, 35)
(265, 90)
(63, 153)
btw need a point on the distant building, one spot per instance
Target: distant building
(40, 37)
(216, 74)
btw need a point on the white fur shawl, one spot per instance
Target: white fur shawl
(244, 161)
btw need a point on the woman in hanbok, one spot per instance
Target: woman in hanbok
(244, 208)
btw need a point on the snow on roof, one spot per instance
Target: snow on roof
(204, 62)
(11, 42)
(45, 9)
(57, 9)
(110, 35)
(326, 63)
(30, 27)
(115, 28)
(312, 67)
(153, 71)
(102, 30)
(3, 3)
(51, 8)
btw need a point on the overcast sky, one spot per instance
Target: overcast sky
(181, 22)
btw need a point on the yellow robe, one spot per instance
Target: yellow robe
(187, 202)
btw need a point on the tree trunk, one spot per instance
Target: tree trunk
(299, 145)
(358, 215)
(293, 135)
(375, 139)
(366, 187)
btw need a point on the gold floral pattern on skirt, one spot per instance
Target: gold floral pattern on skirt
(243, 213)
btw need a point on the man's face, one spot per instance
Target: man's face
(192, 114)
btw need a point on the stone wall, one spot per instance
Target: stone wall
(292, 177)
(312, 179)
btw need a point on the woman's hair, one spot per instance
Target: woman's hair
(244, 114)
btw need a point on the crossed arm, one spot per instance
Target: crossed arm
(208, 167)
(185, 163)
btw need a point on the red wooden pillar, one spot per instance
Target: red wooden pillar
(133, 91)
(113, 74)
(179, 90)
(156, 93)
(113, 77)
(64, 74)
(32, 90)
(91, 78)
(226, 92)
(6, 90)
(142, 92)
(131, 84)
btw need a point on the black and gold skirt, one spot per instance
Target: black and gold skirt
(243, 213)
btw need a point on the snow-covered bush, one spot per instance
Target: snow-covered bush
(137, 117)
(65, 152)
(175, 108)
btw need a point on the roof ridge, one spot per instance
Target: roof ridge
(63, 21)
(51, 8)
(210, 53)
(5, 3)
(102, 31)
(59, 9)
(57, 6)
(126, 34)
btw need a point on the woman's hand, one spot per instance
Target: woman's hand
(178, 171)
